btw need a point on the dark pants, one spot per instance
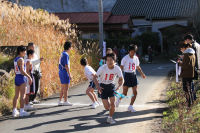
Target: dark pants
(37, 80)
(188, 88)
(150, 57)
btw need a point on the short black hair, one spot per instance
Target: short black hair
(20, 49)
(133, 47)
(112, 55)
(30, 44)
(30, 52)
(189, 36)
(67, 45)
(84, 62)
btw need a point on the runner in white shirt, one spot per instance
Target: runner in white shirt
(89, 73)
(129, 64)
(107, 74)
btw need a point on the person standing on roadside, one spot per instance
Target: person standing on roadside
(36, 71)
(20, 82)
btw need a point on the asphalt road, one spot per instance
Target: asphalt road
(80, 118)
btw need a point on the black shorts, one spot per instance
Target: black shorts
(92, 85)
(187, 84)
(108, 91)
(130, 80)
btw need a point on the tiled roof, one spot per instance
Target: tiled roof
(118, 19)
(156, 8)
(93, 18)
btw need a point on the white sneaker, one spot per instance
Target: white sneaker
(131, 109)
(67, 103)
(118, 102)
(98, 103)
(110, 120)
(23, 114)
(36, 101)
(31, 103)
(28, 107)
(60, 103)
(95, 105)
(15, 113)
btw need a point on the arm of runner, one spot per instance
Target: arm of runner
(122, 67)
(68, 71)
(67, 66)
(121, 79)
(97, 83)
(28, 67)
(21, 66)
(141, 72)
(120, 83)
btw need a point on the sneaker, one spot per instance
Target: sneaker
(97, 102)
(36, 102)
(60, 103)
(23, 114)
(31, 103)
(131, 109)
(67, 103)
(95, 105)
(15, 113)
(28, 107)
(118, 102)
(110, 120)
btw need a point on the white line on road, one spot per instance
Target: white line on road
(82, 104)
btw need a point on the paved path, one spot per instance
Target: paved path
(49, 118)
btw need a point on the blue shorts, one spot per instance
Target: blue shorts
(20, 79)
(130, 80)
(64, 77)
(92, 85)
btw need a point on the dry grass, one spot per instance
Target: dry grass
(20, 25)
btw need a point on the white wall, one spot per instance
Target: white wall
(68, 5)
(156, 25)
(140, 22)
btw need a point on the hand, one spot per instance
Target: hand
(117, 88)
(41, 59)
(100, 90)
(179, 61)
(143, 76)
(30, 81)
(70, 77)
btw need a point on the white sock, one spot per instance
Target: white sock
(21, 110)
(109, 117)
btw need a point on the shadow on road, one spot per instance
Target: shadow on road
(100, 118)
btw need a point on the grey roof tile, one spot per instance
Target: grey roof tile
(156, 8)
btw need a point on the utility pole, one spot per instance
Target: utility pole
(101, 36)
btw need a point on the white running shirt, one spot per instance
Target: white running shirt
(130, 64)
(107, 76)
(89, 71)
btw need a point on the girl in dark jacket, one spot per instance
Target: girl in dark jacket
(187, 70)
